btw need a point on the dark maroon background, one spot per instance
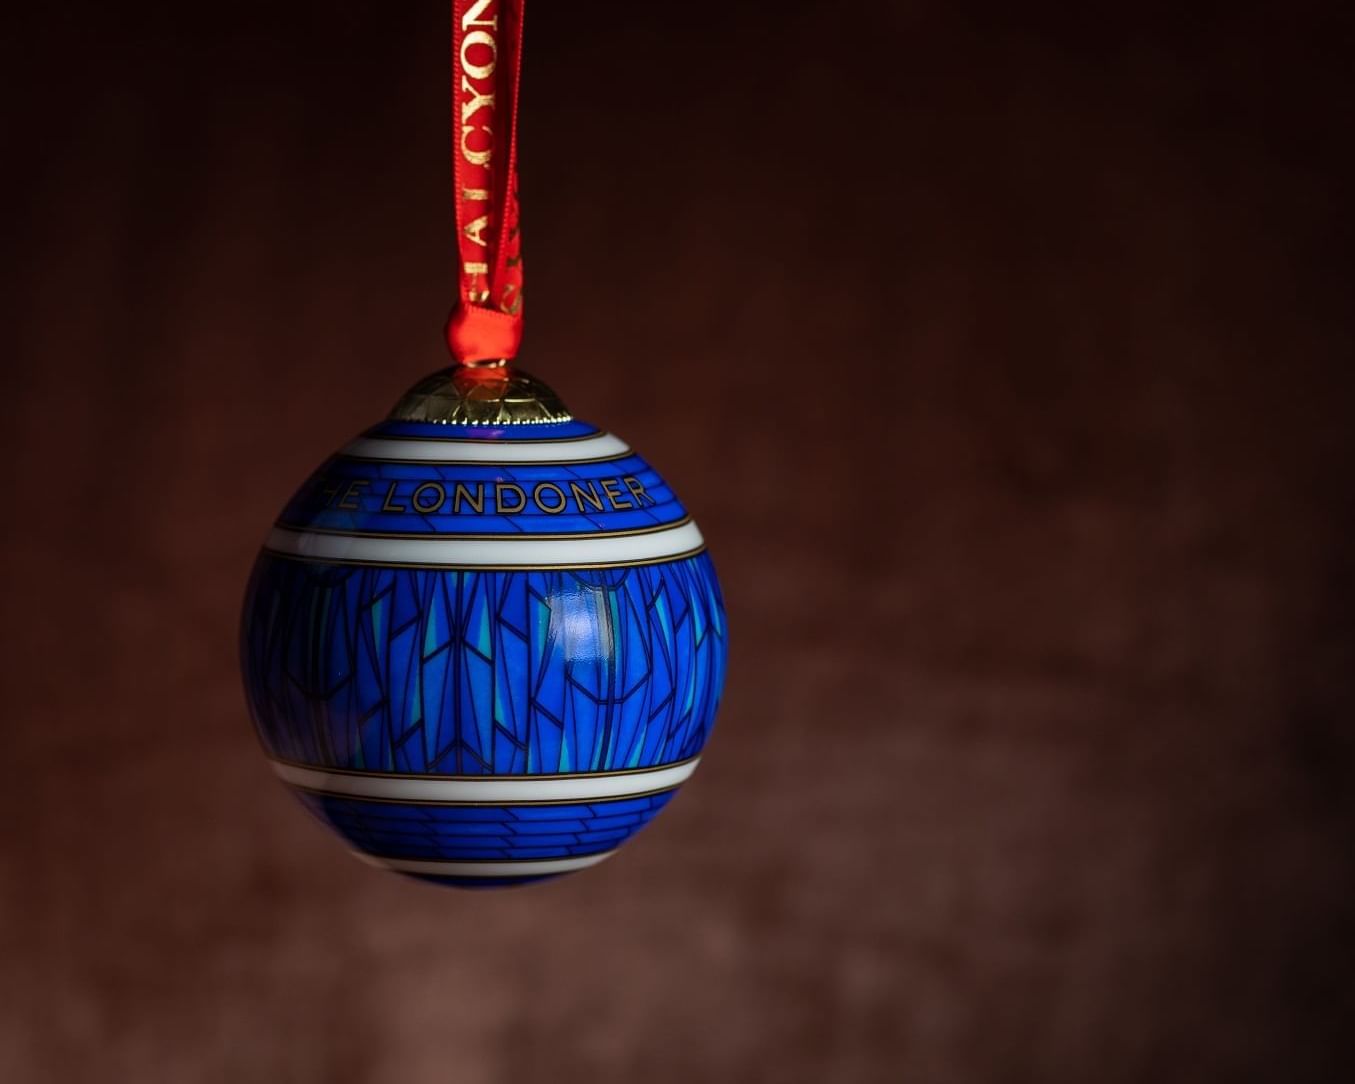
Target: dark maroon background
(1005, 359)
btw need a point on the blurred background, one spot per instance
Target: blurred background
(1005, 358)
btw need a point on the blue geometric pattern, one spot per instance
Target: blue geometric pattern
(463, 672)
(484, 833)
(467, 660)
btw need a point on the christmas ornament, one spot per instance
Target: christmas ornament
(484, 642)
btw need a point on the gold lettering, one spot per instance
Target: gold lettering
(477, 102)
(476, 502)
(499, 489)
(472, 16)
(389, 505)
(476, 158)
(609, 487)
(350, 494)
(479, 71)
(590, 495)
(637, 490)
(439, 496)
(560, 493)
(481, 194)
(475, 230)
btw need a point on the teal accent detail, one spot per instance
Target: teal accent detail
(430, 634)
(378, 621)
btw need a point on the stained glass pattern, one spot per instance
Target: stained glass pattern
(459, 672)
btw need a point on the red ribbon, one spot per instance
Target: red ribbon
(486, 61)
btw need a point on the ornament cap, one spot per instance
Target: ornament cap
(484, 393)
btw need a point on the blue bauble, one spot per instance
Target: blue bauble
(484, 642)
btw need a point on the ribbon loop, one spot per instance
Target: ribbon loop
(480, 334)
(486, 322)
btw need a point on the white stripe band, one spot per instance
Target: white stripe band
(603, 446)
(495, 551)
(507, 790)
(529, 868)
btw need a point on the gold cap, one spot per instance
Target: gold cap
(481, 393)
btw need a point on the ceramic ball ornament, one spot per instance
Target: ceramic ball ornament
(484, 641)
